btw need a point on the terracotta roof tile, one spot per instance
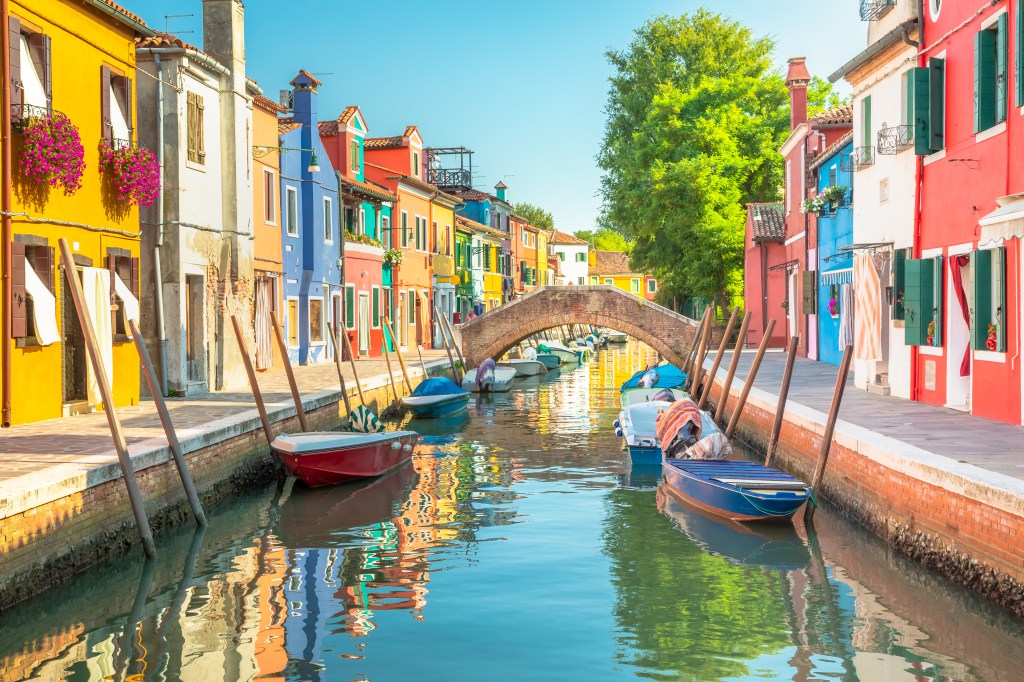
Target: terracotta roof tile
(842, 115)
(370, 189)
(308, 75)
(267, 104)
(830, 150)
(611, 263)
(474, 195)
(160, 39)
(121, 10)
(563, 238)
(382, 142)
(327, 128)
(347, 114)
(767, 222)
(479, 227)
(286, 125)
(409, 130)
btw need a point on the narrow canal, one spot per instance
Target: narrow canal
(520, 545)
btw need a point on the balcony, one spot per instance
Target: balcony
(858, 159)
(872, 10)
(21, 114)
(895, 139)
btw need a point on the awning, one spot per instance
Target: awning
(1006, 222)
(838, 274)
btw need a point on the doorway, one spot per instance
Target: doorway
(419, 321)
(75, 361)
(364, 323)
(958, 336)
(792, 314)
(195, 329)
(400, 329)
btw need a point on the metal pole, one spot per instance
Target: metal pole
(398, 352)
(153, 382)
(257, 396)
(749, 381)
(458, 350)
(706, 393)
(120, 445)
(773, 442)
(387, 359)
(451, 360)
(296, 398)
(830, 426)
(337, 363)
(720, 412)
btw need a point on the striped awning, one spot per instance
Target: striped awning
(1006, 222)
(837, 275)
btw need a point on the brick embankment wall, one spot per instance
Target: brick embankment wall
(47, 544)
(969, 530)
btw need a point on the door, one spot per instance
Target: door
(419, 321)
(336, 325)
(792, 314)
(364, 323)
(195, 316)
(958, 337)
(74, 368)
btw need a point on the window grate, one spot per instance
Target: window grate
(895, 139)
(872, 10)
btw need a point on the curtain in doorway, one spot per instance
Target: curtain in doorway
(846, 312)
(868, 309)
(264, 333)
(96, 286)
(955, 265)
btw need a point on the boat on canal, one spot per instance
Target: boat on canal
(736, 490)
(488, 378)
(638, 422)
(524, 367)
(616, 337)
(320, 458)
(436, 397)
(549, 360)
(669, 376)
(568, 355)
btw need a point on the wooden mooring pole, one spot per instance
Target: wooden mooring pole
(830, 427)
(398, 352)
(352, 362)
(387, 359)
(780, 408)
(458, 350)
(748, 383)
(706, 393)
(698, 334)
(448, 350)
(337, 363)
(698, 360)
(727, 386)
(107, 396)
(251, 373)
(165, 420)
(296, 398)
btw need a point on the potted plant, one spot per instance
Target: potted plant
(991, 342)
(835, 195)
(930, 337)
(816, 205)
(833, 306)
(393, 256)
(53, 152)
(134, 171)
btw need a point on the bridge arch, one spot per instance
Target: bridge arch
(496, 331)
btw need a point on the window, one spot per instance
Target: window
(196, 134)
(561, 256)
(385, 231)
(292, 211)
(435, 238)
(594, 279)
(354, 156)
(988, 300)
(458, 253)
(375, 308)
(350, 307)
(328, 221)
(933, 7)
(405, 230)
(447, 240)
(293, 323)
(416, 164)
(269, 196)
(316, 320)
(31, 66)
(31, 253)
(418, 240)
(833, 175)
(580, 281)
(412, 306)
(361, 227)
(609, 281)
(990, 75)
(634, 285)
(581, 257)
(487, 258)
(922, 301)
(652, 286)
(865, 127)
(930, 107)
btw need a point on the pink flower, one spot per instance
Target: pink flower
(53, 152)
(136, 173)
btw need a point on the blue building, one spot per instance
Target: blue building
(311, 244)
(835, 264)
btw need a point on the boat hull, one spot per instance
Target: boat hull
(525, 368)
(568, 357)
(338, 465)
(503, 377)
(448, 405)
(728, 501)
(549, 360)
(644, 455)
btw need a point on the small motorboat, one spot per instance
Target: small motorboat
(328, 457)
(638, 422)
(525, 368)
(669, 376)
(549, 360)
(568, 355)
(633, 396)
(617, 337)
(488, 378)
(736, 490)
(436, 397)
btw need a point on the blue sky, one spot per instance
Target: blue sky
(523, 84)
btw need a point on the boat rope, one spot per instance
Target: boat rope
(753, 503)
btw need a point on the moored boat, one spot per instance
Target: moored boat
(549, 360)
(525, 368)
(567, 355)
(633, 396)
(328, 457)
(669, 376)
(501, 381)
(616, 337)
(436, 397)
(736, 490)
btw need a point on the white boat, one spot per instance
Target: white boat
(569, 356)
(637, 424)
(636, 396)
(525, 368)
(503, 376)
(617, 337)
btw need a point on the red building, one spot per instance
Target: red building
(963, 285)
(764, 272)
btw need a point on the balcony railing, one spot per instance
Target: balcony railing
(21, 114)
(871, 10)
(895, 139)
(859, 158)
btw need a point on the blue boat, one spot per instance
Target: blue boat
(736, 490)
(549, 360)
(436, 397)
(669, 376)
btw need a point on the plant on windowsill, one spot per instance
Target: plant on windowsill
(53, 152)
(930, 336)
(835, 195)
(991, 342)
(816, 205)
(134, 171)
(833, 307)
(393, 256)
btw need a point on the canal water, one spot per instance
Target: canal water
(519, 545)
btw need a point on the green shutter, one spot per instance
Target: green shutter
(919, 299)
(809, 289)
(937, 299)
(1019, 62)
(937, 103)
(999, 296)
(376, 307)
(908, 97)
(984, 80)
(350, 308)
(405, 230)
(988, 297)
(866, 122)
(899, 260)
(920, 78)
(412, 306)
(1002, 73)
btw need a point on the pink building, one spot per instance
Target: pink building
(764, 267)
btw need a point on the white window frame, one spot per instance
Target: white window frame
(328, 220)
(403, 227)
(410, 300)
(362, 221)
(385, 226)
(639, 286)
(270, 192)
(291, 225)
(309, 321)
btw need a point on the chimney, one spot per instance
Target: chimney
(797, 80)
(500, 189)
(224, 37)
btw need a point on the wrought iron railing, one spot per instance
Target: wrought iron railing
(451, 178)
(21, 114)
(859, 158)
(870, 10)
(895, 139)
(118, 143)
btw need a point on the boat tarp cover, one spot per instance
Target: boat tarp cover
(669, 376)
(438, 386)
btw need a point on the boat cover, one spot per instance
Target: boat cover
(679, 427)
(365, 421)
(530, 353)
(649, 379)
(711, 446)
(669, 376)
(438, 386)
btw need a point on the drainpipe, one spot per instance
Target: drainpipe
(5, 205)
(161, 328)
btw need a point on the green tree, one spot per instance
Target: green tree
(696, 116)
(537, 216)
(604, 239)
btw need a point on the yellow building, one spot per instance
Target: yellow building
(75, 59)
(542, 258)
(492, 269)
(612, 268)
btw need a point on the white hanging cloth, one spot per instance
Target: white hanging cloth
(96, 286)
(846, 306)
(129, 303)
(44, 308)
(868, 312)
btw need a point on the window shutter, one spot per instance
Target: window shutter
(920, 300)
(14, 56)
(936, 289)
(112, 268)
(809, 286)
(981, 296)
(921, 78)
(936, 97)
(39, 48)
(134, 284)
(1018, 41)
(866, 122)
(984, 80)
(108, 128)
(376, 306)
(126, 85)
(412, 306)
(200, 130)
(19, 317)
(1002, 73)
(350, 308)
(41, 263)
(899, 259)
(999, 296)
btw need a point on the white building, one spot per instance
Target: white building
(195, 109)
(884, 188)
(573, 254)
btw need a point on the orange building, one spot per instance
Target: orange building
(266, 216)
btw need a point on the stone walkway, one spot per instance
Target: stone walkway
(987, 444)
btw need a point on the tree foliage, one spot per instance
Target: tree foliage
(604, 239)
(537, 216)
(696, 116)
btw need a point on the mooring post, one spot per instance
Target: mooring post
(107, 396)
(698, 360)
(165, 420)
(720, 412)
(458, 350)
(448, 350)
(398, 352)
(706, 393)
(253, 384)
(387, 359)
(830, 427)
(337, 363)
(352, 361)
(296, 398)
(698, 334)
(773, 442)
(749, 381)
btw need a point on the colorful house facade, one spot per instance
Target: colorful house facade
(267, 248)
(764, 267)
(573, 260)
(75, 59)
(469, 291)
(611, 268)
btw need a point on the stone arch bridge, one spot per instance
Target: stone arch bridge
(496, 331)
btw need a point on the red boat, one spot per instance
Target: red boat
(328, 457)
